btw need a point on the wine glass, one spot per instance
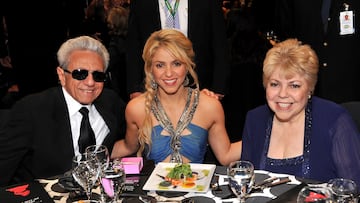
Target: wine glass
(113, 181)
(101, 153)
(315, 194)
(344, 190)
(241, 178)
(86, 170)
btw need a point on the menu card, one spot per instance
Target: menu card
(31, 192)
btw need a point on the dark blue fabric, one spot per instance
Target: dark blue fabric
(334, 143)
(193, 146)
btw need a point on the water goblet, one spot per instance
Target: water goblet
(113, 181)
(315, 194)
(86, 170)
(344, 190)
(101, 153)
(241, 178)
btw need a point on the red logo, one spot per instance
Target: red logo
(21, 190)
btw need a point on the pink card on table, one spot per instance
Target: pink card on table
(132, 165)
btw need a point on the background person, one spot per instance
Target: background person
(317, 23)
(117, 21)
(202, 22)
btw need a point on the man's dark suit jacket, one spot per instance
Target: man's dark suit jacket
(37, 140)
(206, 30)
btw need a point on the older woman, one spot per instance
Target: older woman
(298, 133)
(173, 121)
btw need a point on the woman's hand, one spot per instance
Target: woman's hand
(212, 94)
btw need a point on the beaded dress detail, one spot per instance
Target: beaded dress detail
(300, 163)
(184, 120)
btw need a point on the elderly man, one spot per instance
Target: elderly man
(43, 130)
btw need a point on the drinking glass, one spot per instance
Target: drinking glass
(315, 193)
(86, 170)
(113, 181)
(101, 153)
(344, 190)
(241, 178)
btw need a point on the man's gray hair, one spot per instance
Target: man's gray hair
(81, 43)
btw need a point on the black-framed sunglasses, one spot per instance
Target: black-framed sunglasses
(81, 74)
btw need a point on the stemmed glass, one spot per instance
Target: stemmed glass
(113, 181)
(86, 170)
(241, 178)
(344, 190)
(101, 153)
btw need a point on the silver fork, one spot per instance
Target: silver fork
(144, 199)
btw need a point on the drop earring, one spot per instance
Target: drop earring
(186, 81)
(153, 84)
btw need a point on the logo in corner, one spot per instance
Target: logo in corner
(21, 190)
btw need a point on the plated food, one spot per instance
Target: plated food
(180, 177)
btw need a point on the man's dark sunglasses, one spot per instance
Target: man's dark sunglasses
(81, 74)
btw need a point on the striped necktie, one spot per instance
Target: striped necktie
(172, 15)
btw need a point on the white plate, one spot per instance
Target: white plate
(205, 172)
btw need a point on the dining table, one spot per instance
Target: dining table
(218, 192)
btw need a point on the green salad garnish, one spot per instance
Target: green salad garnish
(180, 171)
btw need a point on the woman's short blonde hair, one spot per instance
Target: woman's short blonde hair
(292, 57)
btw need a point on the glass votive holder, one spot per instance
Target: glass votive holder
(344, 190)
(113, 182)
(315, 193)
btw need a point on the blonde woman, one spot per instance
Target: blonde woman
(173, 121)
(295, 132)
